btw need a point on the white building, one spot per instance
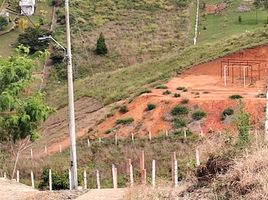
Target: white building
(27, 7)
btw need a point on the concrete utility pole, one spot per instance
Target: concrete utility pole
(73, 163)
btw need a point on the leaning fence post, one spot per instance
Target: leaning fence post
(197, 157)
(175, 173)
(50, 179)
(98, 179)
(131, 175)
(153, 173)
(85, 179)
(18, 176)
(70, 180)
(114, 175)
(32, 179)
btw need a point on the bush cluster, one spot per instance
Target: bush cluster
(227, 112)
(179, 110)
(125, 121)
(198, 115)
(150, 106)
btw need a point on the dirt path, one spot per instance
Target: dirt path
(104, 194)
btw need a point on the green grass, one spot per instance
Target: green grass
(225, 24)
(123, 83)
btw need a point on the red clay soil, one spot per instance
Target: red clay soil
(206, 91)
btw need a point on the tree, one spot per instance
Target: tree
(30, 39)
(20, 114)
(3, 22)
(22, 24)
(101, 48)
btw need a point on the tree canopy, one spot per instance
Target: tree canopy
(29, 38)
(20, 114)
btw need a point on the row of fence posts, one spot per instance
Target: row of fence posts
(116, 140)
(129, 170)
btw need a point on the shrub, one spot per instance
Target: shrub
(180, 88)
(179, 110)
(198, 115)
(30, 39)
(227, 112)
(61, 71)
(239, 19)
(235, 96)
(167, 92)
(243, 126)
(150, 106)
(60, 180)
(108, 131)
(178, 123)
(123, 109)
(185, 101)
(101, 48)
(57, 56)
(177, 95)
(144, 91)
(125, 121)
(161, 87)
(3, 23)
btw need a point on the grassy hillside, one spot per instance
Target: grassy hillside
(135, 31)
(123, 83)
(213, 27)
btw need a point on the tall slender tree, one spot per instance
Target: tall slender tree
(20, 114)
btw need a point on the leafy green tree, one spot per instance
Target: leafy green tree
(20, 114)
(3, 23)
(101, 48)
(29, 38)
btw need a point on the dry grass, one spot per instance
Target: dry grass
(248, 178)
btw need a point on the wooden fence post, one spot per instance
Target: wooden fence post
(166, 133)
(153, 173)
(114, 175)
(141, 161)
(31, 153)
(88, 143)
(143, 177)
(175, 173)
(98, 179)
(18, 176)
(5, 175)
(132, 137)
(85, 179)
(131, 175)
(197, 156)
(32, 179)
(115, 139)
(50, 179)
(173, 158)
(60, 148)
(150, 135)
(185, 134)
